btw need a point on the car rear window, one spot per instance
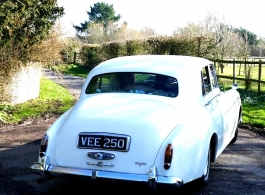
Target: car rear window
(130, 82)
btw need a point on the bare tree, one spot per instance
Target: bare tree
(98, 33)
(204, 32)
(227, 42)
(243, 53)
(261, 46)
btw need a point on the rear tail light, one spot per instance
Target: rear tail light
(43, 145)
(168, 156)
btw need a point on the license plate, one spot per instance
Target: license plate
(104, 141)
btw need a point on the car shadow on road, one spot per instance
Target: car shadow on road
(16, 178)
(235, 171)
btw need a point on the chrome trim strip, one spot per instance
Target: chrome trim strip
(57, 170)
(100, 174)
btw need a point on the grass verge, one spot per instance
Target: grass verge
(71, 69)
(53, 99)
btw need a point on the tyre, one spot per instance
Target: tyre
(236, 132)
(235, 136)
(205, 177)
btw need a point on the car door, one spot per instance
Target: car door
(227, 102)
(211, 91)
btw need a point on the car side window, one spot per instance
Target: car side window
(206, 82)
(213, 77)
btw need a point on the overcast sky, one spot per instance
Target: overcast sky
(165, 16)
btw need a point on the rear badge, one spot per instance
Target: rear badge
(100, 164)
(100, 155)
(140, 164)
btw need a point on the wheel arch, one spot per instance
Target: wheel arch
(213, 144)
(240, 115)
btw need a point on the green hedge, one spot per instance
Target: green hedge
(92, 55)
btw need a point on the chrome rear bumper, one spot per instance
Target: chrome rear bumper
(49, 171)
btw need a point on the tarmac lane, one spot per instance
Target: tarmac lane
(74, 84)
(239, 170)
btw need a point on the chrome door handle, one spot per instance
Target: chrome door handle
(207, 104)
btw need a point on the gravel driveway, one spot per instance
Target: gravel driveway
(239, 170)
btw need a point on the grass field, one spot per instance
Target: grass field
(252, 101)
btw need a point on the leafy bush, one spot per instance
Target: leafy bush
(134, 47)
(91, 55)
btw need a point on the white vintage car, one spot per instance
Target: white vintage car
(158, 119)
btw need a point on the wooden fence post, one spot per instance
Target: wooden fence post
(234, 70)
(74, 58)
(259, 78)
(247, 80)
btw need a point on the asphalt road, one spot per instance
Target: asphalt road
(72, 83)
(239, 170)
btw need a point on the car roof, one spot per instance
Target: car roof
(171, 65)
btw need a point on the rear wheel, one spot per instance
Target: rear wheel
(205, 177)
(235, 136)
(236, 132)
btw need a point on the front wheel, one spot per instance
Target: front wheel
(205, 177)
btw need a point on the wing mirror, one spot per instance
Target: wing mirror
(235, 86)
